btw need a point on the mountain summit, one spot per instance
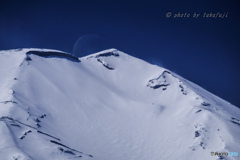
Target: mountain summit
(107, 106)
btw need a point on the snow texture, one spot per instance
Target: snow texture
(107, 106)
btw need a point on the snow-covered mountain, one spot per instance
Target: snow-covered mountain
(107, 106)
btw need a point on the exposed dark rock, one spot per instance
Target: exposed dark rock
(12, 121)
(66, 151)
(159, 82)
(15, 125)
(52, 54)
(205, 104)
(42, 116)
(69, 152)
(70, 149)
(198, 111)
(197, 134)
(60, 144)
(235, 119)
(5, 118)
(236, 123)
(5, 102)
(202, 145)
(25, 134)
(183, 89)
(28, 58)
(38, 125)
(159, 85)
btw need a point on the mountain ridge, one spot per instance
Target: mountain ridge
(114, 106)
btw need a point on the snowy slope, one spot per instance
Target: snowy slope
(107, 106)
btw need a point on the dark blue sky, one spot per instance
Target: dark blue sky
(203, 50)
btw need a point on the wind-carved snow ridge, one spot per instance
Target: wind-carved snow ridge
(113, 52)
(103, 57)
(106, 53)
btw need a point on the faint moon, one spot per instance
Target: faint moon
(88, 44)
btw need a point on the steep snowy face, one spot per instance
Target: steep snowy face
(108, 105)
